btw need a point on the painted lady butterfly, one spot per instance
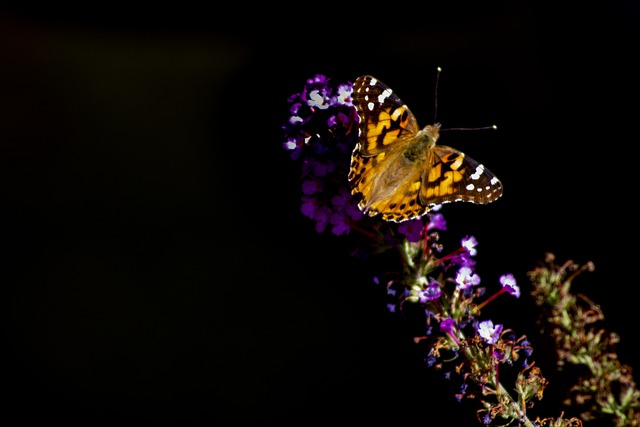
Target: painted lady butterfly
(398, 168)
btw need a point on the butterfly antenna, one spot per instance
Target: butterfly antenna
(436, 110)
(480, 128)
(435, 114)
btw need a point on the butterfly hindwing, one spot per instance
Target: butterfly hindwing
(373, 178)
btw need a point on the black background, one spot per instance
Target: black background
(156, 267)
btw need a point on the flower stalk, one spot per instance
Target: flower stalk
(608, 389)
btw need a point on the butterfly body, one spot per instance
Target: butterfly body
(399, 170)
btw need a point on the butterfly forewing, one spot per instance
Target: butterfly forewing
(384, 118)
(398, 170)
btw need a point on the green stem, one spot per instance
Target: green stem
(515, 407)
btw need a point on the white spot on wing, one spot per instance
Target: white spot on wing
(479, 171)
(384, 95)
(470, 187)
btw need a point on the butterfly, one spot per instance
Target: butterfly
(399, 169)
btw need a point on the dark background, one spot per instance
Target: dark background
(156, 269)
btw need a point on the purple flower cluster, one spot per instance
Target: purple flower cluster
(321, 132)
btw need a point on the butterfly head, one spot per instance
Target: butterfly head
(432, 132)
